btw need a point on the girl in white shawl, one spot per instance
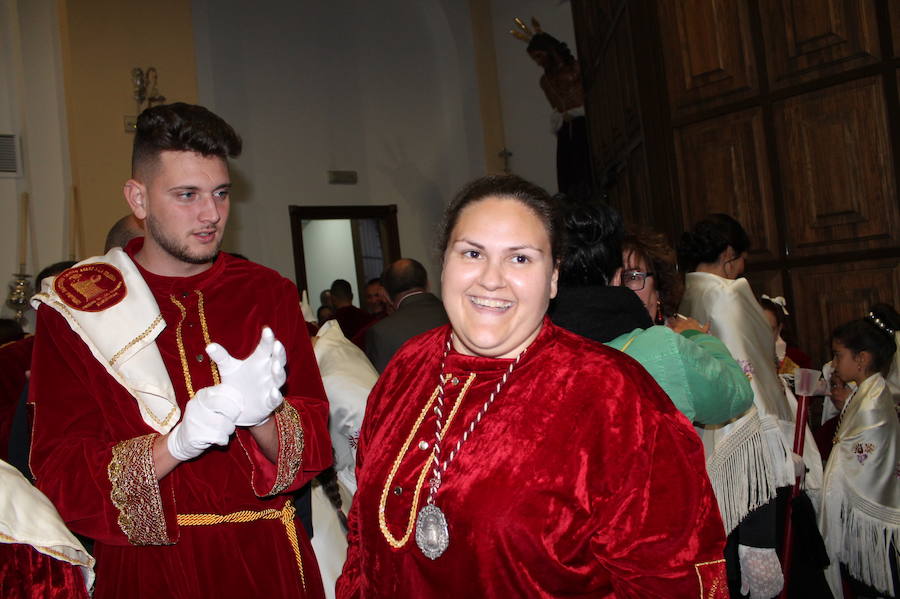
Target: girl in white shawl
(860, 516)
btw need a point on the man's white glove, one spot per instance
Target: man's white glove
(208, 420)
(761, 574)
(257, 378)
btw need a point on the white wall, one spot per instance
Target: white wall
(32, 106)
(332, 242)
(384, 88)
(526, 112)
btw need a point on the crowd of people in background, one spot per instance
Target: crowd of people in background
(582, 409)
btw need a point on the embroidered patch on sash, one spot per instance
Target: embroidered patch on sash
(91, 287)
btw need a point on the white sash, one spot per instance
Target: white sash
(122, 338)
(27, 517)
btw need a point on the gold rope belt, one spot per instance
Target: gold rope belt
(286, 515)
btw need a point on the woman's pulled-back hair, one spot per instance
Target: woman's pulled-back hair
(181, 127)
(873, 333)
(659, 256)
(594, 235)
(708, 239)
(510, 187)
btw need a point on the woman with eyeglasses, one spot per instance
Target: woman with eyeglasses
(603, 301)
(748, 459)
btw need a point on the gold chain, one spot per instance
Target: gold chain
(390, 538)
(180, 342)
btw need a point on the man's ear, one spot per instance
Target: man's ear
(136, 196)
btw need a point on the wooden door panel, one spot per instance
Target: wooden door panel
(808, 39)
(837, 169)
(628, 190)
(832, 294)
(722, 167)
(708, 53)
(767, 282)
(894, 11)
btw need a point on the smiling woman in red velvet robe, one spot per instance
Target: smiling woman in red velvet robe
(502, 456)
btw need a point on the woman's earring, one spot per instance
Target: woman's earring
(660, 318)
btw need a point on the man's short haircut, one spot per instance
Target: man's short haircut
(180, 127)
(341, 290)
(375, 281)
(403, 275)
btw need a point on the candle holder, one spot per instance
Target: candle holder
(19, 294)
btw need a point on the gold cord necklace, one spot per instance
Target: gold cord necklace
(432, 532)
(382, 522)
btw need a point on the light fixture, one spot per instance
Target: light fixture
(145, 90)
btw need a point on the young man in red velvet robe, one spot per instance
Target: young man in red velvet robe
(176, 396)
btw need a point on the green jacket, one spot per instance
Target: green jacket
(694, 369)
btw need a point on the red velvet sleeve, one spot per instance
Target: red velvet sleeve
(304, 447)
(83, 439)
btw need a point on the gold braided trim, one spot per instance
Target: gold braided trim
(202, 312)
(286, 515)
(136, 340)
(179, 341)
(717, 585)
(290, 447)
(61, 307)
(51, 552)
(382, 522)
(135, 492)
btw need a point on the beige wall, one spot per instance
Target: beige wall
(102, 40)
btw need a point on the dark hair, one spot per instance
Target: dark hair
(544, 42)
(51, 271)
(594, 235)
(655, 250)
(780, 319)
(865, 334)
(10, 330)
(403, 275)
(341, 290)
(181, 127)
(512, 187)
(319, 313)
(375, 281)
(708, 239)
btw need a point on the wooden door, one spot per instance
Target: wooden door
(782, 113)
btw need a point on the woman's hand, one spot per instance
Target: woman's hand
(680, 324)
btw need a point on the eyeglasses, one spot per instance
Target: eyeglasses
(635, 279)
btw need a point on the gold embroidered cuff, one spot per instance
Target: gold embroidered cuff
(135, 492)
(290, 447)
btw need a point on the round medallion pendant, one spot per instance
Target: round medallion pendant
(432, 535)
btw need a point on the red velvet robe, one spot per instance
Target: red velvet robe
(582, 480)
(89, 450)
(25, 573)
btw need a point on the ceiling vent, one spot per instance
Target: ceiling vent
(10, 156)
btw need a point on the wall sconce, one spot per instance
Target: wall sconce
(145, 88)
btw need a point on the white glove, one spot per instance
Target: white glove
(306, 309)
(256, 378)
(761, 574)
(208, 419)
